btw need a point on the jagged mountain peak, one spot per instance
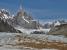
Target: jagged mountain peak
(4, 14)
(59, 22)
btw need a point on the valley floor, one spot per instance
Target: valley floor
(20, 41)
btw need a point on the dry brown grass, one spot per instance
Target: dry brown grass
(41, 44)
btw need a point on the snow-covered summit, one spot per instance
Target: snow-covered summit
(4, 14)
(24, 20)
(57, 23)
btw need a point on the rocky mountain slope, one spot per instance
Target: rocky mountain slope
(59, 30)
(24, 20)
(5, 26)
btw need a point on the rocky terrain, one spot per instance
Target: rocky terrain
(41, 44)
(21, 41)
(59, 30)
(5, 27)
(17, 40)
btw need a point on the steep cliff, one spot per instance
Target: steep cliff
(5, 27)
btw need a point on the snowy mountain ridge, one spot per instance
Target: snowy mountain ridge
(5, 14)
(26, 22)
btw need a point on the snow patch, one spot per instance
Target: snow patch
(57, 23)
(28, 31)
(5, 16)
(25, 19)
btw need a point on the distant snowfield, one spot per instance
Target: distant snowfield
(28, 31)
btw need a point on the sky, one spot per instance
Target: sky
(44, 10)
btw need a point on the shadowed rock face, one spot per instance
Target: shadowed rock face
(5, 27)
(59, 30)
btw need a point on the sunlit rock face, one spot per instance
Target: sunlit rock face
(21, 19)
(24, 20)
